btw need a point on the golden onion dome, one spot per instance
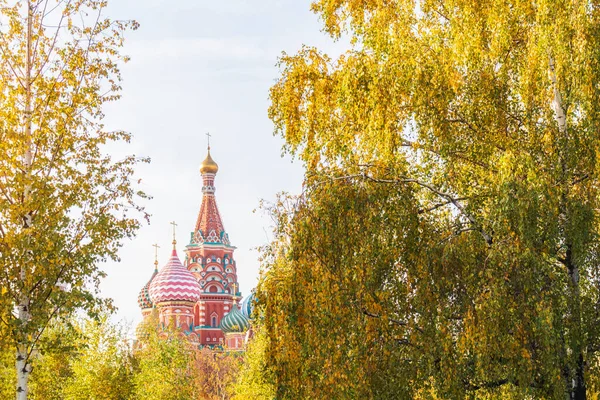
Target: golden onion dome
(209, 165)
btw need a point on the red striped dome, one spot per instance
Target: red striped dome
(174, 283)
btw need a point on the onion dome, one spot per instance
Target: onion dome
(144, 300)
(141, 332)
(209, 165)
(144, 297)
(174, 283)
(234, 321)
(248, 305)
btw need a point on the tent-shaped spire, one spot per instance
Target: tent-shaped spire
(209, 225)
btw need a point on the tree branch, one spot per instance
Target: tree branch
(454, 200)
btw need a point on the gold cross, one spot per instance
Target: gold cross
(156, 247)
(174, 228)
(235, 298)
(208, 135)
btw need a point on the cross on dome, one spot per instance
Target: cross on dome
(234, 286)
(174, 231)
(208, 166)
(156, 247)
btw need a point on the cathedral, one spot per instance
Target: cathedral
(199, 297)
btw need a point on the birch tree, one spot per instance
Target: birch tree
(481, 119)
(65, 204)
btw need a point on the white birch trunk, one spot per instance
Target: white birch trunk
(23, 372)
(557, 104)
(23, 363)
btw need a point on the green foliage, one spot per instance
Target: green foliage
(65, 204)
(7, 373)
(53, 373)
(103, 368)
(93, 361)
(169, 367)
(164, 365)
(65, 344)
(255, 380)
(446, 242)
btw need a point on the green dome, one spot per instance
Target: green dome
(234, 321)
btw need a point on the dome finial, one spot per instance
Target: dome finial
(156, 247)
(235, 299)
(208, 165)
(174, 239)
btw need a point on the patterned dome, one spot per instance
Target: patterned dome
(174, 283)
(234, 321)
(144, 297)
(144, 300)
(141, 331)
(248, 305)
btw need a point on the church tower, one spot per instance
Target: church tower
(209, 257)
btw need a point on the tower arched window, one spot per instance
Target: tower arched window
(213, 321)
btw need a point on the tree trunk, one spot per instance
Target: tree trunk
(23, 364)
(575, 380)
(23, 372)
(576, 386)
(579, 391)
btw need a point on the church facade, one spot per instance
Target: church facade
(199, 297)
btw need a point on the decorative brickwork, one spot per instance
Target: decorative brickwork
(199, 295)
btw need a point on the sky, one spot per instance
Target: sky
(204, 66)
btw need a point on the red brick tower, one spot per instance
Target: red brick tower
(209, 257)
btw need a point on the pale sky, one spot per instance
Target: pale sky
(201, 66)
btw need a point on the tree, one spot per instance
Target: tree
(170, 367)
(255, 381)
(333, 297)
(65, 204)
(52, 369)
(93, 360)
(215, 373)
(103, 367)
(465, 135)
(165, 364)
